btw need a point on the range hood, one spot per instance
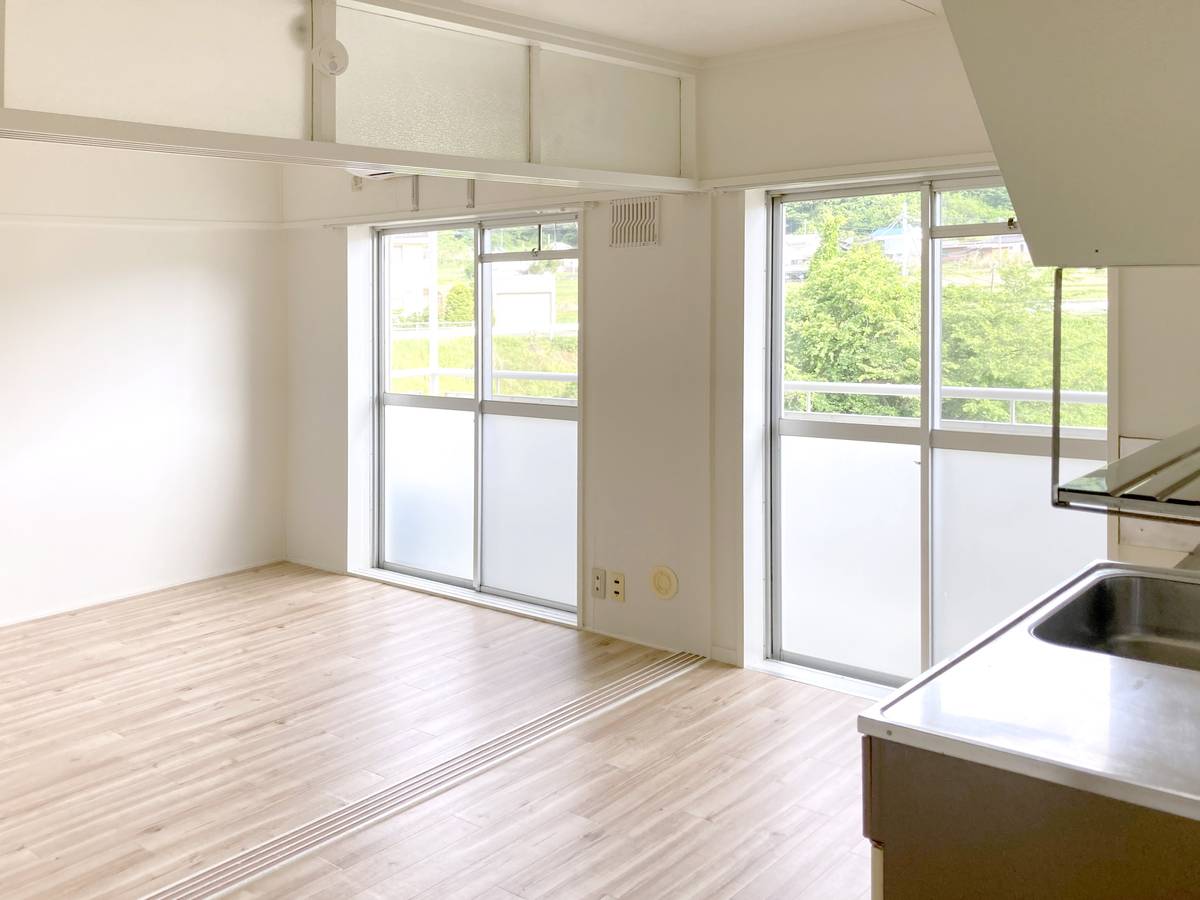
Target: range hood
(1093, 111)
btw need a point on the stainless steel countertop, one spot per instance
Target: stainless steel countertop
(1118, 727)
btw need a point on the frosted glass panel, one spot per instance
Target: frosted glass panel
(416, 87)
(997, 542)
(223, 65)
(529, 507)
(851, 552)
(602, 116)
(429, 490)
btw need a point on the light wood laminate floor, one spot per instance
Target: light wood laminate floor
(723, 783)
(153, 737)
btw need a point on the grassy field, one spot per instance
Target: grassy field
(512, 352)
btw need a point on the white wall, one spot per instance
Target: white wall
(1157, 389)
(739, 353)
(646, 423)
(225, 65)
(141, 373)
(874, 96)
(1157, 327)
(316, 397)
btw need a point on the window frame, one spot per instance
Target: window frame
(481, 403)
(928, 431)
(503, 404)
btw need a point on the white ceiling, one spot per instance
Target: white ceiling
(707, 28)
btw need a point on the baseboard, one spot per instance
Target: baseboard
(140, 592)
(471, 598)
(727, 655)
(629, 639)
(320, 567)
(720, 654)
(827, 680)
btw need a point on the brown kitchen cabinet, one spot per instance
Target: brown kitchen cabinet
(944, 828)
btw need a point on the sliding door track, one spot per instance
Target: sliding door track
(257, 861)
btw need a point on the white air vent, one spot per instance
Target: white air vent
(634, 222)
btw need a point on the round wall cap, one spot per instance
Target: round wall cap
(330, 57)
(664, 582)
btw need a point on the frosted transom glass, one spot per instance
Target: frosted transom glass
(850, 554)
(417, 87)
(223, 65)
(429, 490)
(998, 544)
(529, 507)
(598, 115)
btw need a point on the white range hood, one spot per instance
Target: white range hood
(1093, 110)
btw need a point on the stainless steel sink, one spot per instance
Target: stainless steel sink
(1154, 619)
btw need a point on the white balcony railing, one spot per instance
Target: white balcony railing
(568, 377)
(445, 331)
(1011, 396)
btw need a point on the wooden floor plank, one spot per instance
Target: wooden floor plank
(151, 737)
(667, 796)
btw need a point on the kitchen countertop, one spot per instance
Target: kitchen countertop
(1119, 727)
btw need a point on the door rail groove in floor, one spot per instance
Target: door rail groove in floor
(257, 861)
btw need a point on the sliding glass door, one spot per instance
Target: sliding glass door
(910, 404)
(848, 435)
(479, 410)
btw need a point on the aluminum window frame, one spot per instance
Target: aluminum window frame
(480, 404)
(928, 431)
(484, 317)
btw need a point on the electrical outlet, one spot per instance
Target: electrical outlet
(598, 582)
(616, 586)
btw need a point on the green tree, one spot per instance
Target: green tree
(459, 304)
(999, 335)
(867, 213)
(975, 205)
(854, 318)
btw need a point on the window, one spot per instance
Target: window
(849, 340)
(531, 278)
(429, 288)
(911, 339)
(996, 331)
(852, 306)
(478, 410)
